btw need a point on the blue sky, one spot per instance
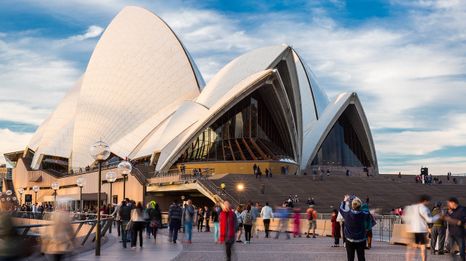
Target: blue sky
(405, 59)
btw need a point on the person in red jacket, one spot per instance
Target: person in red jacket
(227, 228)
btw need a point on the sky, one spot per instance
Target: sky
(405, 59)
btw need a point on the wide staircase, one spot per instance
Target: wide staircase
(384, 191)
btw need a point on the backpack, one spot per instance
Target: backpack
(310, 214)
(248, 218)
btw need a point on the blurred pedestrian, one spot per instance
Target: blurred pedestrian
(10, 247)
(255, 211)
(336, 229)
(228, 223)
(312, 220)
(58, 238)
(456, 218)
(282, 213)
(188, 218)
(417, 217)
(207, 218)
(438, 231)
(155, 218)
(125, 216)
(138, 223)
(215, 219)
(174, 218)
(266, 214)
(238, 212)
(296, 222)
(246, 216)
(200, 219)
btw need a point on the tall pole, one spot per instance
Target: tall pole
(81, 199)
(36, 196)
(124, 186)
(97, 231)
(111, 206)
(55, 198)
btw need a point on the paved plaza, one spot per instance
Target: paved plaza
(203, 249)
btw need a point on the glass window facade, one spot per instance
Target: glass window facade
(248, 131)
(342, 146)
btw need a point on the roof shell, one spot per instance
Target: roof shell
(138, 68)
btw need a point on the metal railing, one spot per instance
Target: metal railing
(79, 219)
(210, 186)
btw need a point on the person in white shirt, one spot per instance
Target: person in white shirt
(417, 217)
(266, 214)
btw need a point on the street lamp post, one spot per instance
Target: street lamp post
(20, 191)
(125, 168)
(55, 187)
(80, 183)
(240, 188)
(35, 189)
(100, 151)
(111, 177)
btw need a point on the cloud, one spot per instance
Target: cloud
(406, 68)
(12, 141)
(92, 32)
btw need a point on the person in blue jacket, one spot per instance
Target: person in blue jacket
(356, 221)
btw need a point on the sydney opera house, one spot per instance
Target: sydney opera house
(144, 96)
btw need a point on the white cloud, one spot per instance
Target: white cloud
(92, 32)
(12, 141)
(399, 66)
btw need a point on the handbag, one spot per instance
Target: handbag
(154, 224)
(129, 226)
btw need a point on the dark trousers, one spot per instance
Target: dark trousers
(266, 227)
(207, 228)
(200, 224)
(124, 232)
(247, 232)
(358, 247)
(174, 227)
(438, 233)
(458, 240)
(137, 229)
(228, 249)
(337, 240)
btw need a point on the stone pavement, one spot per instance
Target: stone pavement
(113, 251)
(204, 249)
(282, 249)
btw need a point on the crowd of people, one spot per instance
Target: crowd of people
(352, 224)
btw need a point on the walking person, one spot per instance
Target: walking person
(155, 218)
(355, 227)
(138, 223)
(282, 213)
(207, 218)
(438, 231)
(296, 222)
(247, 218)
(336, 229)
(456, 218)
(58, 240)
(238, 212)
(255, 214)
(417, 216)
(215, 219)
(200, 219)
(227, 228)
(188, 218)
(312, 220)
(266, 214)
(174, 219)
(125, 216)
